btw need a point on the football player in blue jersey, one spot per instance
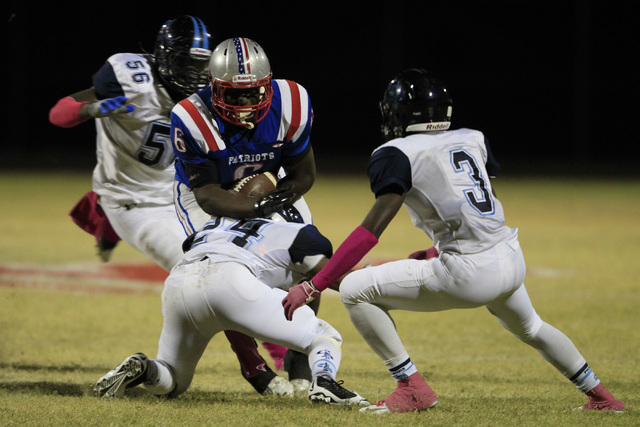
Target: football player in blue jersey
(131, 100)
(243, 123)
(442, 177)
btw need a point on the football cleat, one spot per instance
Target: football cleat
(327, 390)
(300, 387)
(377, 409)
(601, 399)
(128, 374)
(412, 394)
(279, 387)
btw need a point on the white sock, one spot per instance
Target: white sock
(324, 357)
(404, 370)
(162, 382)
(585, 379)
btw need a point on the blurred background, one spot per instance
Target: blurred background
(552, 84)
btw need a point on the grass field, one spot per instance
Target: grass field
(66, 319)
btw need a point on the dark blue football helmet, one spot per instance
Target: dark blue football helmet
(415, 101)
(182, 52)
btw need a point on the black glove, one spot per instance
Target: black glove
(274, 201)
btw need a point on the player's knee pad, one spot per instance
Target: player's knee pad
(160, 244)
(351, 287)
(327, 332)
(525, 330)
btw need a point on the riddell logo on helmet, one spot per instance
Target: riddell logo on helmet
(243, 78)
(437, 126)
(198, 51)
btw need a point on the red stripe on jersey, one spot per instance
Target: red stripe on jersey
(202, 125)
(296, 110)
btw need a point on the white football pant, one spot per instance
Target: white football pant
(493, 279)
(204, 298)
(152, 230)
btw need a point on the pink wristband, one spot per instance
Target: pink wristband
(65, 113)
(350, 252)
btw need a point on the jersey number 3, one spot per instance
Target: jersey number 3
(478, 196)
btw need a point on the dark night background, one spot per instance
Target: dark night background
(552, 84)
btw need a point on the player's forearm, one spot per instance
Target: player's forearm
(350, 252)
(68, 113)
(301, 176)
(218, 202)
(299, 185)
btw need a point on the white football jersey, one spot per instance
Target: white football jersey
(448, 192)
(134, 151)
(278, 253)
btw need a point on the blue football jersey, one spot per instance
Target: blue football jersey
(199, 134)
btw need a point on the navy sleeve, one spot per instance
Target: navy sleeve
(202, 173)
(493, 167)
(106, 84)
(287, 161)
(308, 242)
(389, 171)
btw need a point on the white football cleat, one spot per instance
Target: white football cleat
(279, 387)
(300, 387)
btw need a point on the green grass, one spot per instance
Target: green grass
(581, 241)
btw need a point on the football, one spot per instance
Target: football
(256, 186)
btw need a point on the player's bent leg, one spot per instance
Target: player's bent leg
(161, 240)
(89, 216)
(366, 294)
(188, 325)
(255, 369)
(153, 231)
(249, 306)
(372, 320)
(517, 315)
(325, 356)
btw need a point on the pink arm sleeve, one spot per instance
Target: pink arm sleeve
(65, 113)
(350, 252)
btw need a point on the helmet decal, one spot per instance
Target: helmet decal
(244, 63)
(200, 34)
(240, 76)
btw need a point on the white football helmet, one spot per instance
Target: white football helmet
(240, 76)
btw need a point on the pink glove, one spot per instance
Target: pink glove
(425, 254)
(299, 295)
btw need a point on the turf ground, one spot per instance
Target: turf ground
(66, 318)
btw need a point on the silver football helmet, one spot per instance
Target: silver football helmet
(240, 76)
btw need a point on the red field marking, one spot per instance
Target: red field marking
(93, 278)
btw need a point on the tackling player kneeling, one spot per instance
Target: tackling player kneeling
(230, 278)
